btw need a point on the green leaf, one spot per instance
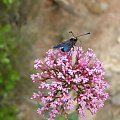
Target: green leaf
(8, 2)
(14, 75)
(73, 116)
(7, 113)
(5, 60)
(5, 28)
(2, 46)
(60, 117)
(39, 105)
(1, 78)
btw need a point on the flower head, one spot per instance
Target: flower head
(63, 72)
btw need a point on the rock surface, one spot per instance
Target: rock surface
(50, 22)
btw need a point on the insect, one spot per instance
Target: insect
(66, 46)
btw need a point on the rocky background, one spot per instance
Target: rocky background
(44, 23)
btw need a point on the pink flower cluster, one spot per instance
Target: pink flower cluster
(64, 72)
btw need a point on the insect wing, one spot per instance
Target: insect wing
(60, 45)
(67, 46)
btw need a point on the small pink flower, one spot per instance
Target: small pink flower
(63, 72)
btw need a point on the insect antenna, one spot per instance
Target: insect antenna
(83, 34)
(79, 35)
(71, 33)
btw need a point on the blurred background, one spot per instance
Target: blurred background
(28, 28)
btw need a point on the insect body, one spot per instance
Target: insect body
(68, 44)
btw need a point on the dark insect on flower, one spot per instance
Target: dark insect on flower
(66, 46)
